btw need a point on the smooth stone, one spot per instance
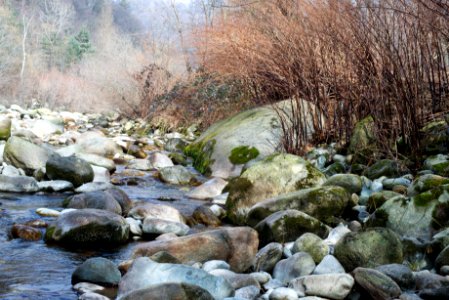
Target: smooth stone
(85, 287)
(312, 244)
(143, 211)
(261, 277)
(204, 215)
(18, 184)
(216, 264)
(267, 257)
(135, 226)
(178, 291)
(160, 226)
(145, 273)
(96, 160)
(351, 182)
(96, 143)
(47, 212)
(5, 128)
(92, 296)
(376, 284)
(329, 265)
(140, 164)
(97, 270)
(11, 171)
(98, 200)
(273, 284)
(45, 128)
(101, 174)
(210, 189)
(236, 280)
(175, 175)
(248, 292)
(25, 232)
(332, 286)
(427, 280)
(283, 293)
(160, 160)
(401, 274)
(218, 211)
(336, 234)
(300, 264)
(93, 186)
(55, 186)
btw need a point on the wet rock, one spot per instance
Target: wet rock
(97, 270)
(385, 167)
(210, 189)
(18, 184)
(427, 280)
(376, 284)
(273, 176)
(175, 175)
(160, 160)
(170, 291)
(145, 274)
(47, 212)
(93, 186)
(36, 223)
(159, 226)
(401, 274)
(425, 183)
(352, 183)
(287, 226)
(72, 169)
(336, 234)
(5, 128)
(236, 280)
(268, 257)
(312, 244)
(300, 264)
(98, 200)
(135, 226)
(140, 164)
(25, 232)
(85, 227)
(92, 296)
(329, 265)
(85, 287)
(55, 186)
(25, 155)
(237, 246)
(370, 248)
(331, 286)
(204, 215)
(157, 211)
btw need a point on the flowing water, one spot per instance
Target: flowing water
(34, 270)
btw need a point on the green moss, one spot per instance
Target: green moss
(243, 154)
(426, 198)
(440, 216)
(201, 152)
(49, 233)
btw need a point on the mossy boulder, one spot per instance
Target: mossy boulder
(5, 128)
(335, 168)
(312, 244)
(352, 183)
(435, 137)
(385, 167)
(226, 145)
(72, 169)
(287, 225)
(377, 199)
(425, 183)
(325, 203)
(370, 248)
(438, 164)
(363, 144)
(272, 176)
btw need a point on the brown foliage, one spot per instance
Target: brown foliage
(386, 58)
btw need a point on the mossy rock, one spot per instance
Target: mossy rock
(363, 143)
(435, 137)
(335, 168)
(5, 128)
(385, 167)
(287, 226)
(370, 248)
(243, 154)
(352, 183)
(425, 183)
(326, 204)
(276, 174)
(312, 244)
(438, 164)
(377, 199)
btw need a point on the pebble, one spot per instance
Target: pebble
(47, 212)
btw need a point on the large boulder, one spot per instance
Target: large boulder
(323, 203)
(370, 248)
(234, 141)
(86, 227)
(5, 128)
(145, 274)
(97, 270)
(72, 168)
(178, 291)
(25, 155)
(438, 164)
(376, 284)
(385, 167)
(18, 184)
(275, 175)
(238, 246)
(95, 143)
(351, 182)
(425, 183)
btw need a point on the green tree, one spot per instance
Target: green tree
(79, 46)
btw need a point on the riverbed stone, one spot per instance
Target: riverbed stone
(236, 280)
(425, 183)
(376, 284)
(46, 128)
(385, 167)
(267, 257)
(299, 264)
(237, 246)
(158, 226)
(210, 189)
(18, 184)
(442, 259)
(312, 244)
(97, 270)
(400, 273)
(439, 164)
(55, 186)
(93, 142)
(370, 248)
(178, 291)
(176, 175)
(140, 164)
(85, 227)
(323, 203)
(25, 155)
(329, 265)
(97, 160)
(93, 186)
(145, 273)
(98, 200)
(288, 225)
(329, 286)
(351, 182)
(5, 128)
(204, 215)
(72, 169)
(283, 293)
(160, 160)
(142, 211)
(25, 232)
(275, 175)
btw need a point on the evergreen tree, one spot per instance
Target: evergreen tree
(79, 46)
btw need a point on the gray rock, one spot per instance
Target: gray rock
(312, 244)
(160, 160)
(236, 280)
(210, 189)
(101, 174)
(300, 264)
(175, 175)
(329, 265)
(92, 296)
(401, 274)
(331, 286)
(135, 226)
(98, 200)
(55, 186)
(45, 128)
(385, 167)
(376, 284)
(11, 171)
(18, 184)
(160, 226)
(85, 287)
(352, 183)
(71, 168)
(442, 259)
(178, 291)
(96, 160)
(283, 293)
(94, 186)
(95, 143)
(140, 164)
(426, 280)
(157, 211)
(268, 257)
(97, 270)
(215, 264)
(248, 292)
(145, 273)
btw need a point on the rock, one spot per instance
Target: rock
(236, 280)
(323, 203)
(435, 137)
(135, 226)
(96, 160)
(5, 128)
(312, 244)
(385, 167)
(175, 175)
(72, 169)
(237, 246)
(175, 144)
(377, 199)
(401, 274)
(329, 265)
(18, 184)
(204, 215)
(283, 293)
(164, 257)
(329, 286)
(92, 296)
(95, 143)
(145, 273)
(247, 292)
(140, 164)
(178, 291)
(47, 212)
(159, 226)
(268, 257)
(11, 171)
(363, 142)
(156, 211)
(160, 160)
(55, 186)
(101, 174)
(300, 264)
(97, 270)
(210, 189)
(425, 183)
(45, 128)
(442, 259)
(26, 233)
(376, 284)
(352, 183)
(426, 280)
(85, 287)
(94, 186)
(25, 155)
(98, 200)
(232, 142)
(277, 174)
(179, 158)
(336, 234)
(393, 183)
(88, 226)
(215, 265)
(438, 164)
(438, 293)
(287, 226)
(370, 248)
